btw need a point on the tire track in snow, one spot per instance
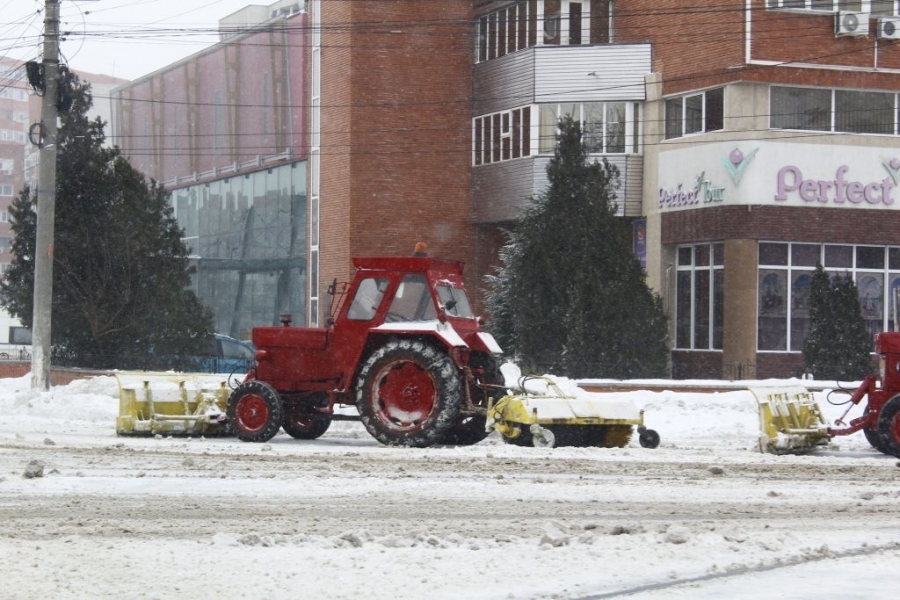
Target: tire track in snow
(865, 550)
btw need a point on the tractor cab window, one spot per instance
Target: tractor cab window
(412, 302)
(454, 301)
(367, 299)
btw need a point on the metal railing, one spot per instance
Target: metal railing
(15, 352)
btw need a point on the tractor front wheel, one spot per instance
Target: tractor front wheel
(408, 393)
(873, 437)
(469, 430)
(254, 412)
(303, 424)
(889, 427)
(466, 432)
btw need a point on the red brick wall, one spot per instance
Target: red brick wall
(694, 41)
(776, 365)
(336, 181)
(696, 365)
(396, 97)
(699, 44)
(778, 223)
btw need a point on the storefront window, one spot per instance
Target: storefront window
(772, 302)
(785, 276)
(700, 297)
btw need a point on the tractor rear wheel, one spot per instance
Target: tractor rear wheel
(254, 411)
(889, 426)
(303, 424)
(408, 393)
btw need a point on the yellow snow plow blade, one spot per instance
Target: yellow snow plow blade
(543, 415)
(172, 403)
(790, 420)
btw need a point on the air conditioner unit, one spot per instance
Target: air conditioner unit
(851, 23)
(889, 28)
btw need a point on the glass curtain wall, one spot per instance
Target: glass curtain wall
(247, 237)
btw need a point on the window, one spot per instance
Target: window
(505, 31)
(864, 112)
(4, 216)
(785, 275)
(823, 109)
(20, 335)
(5, 243)
(563, 22)
(695, 113)
(218, 123)
(501, 136)
(13, 94)
(454, 301)
(6, 190)
(700, 297)
(10, 135)
(367, 299)
(818, 5)
(607, 127)
(413, 301)
(7, 165)
(884, 7)
(604, 127)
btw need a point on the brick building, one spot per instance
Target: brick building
(754, 138)
(14, 121)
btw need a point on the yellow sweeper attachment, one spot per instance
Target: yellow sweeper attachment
(542, 415)
(172, 403)
(790, 420)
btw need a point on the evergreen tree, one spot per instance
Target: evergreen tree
(837, 345)
(569, 296)
(120, 267)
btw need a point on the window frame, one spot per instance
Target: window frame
(836, 111)
(837, 259)
(676, 114)
(693, 272)
(530, 23)
(627, 134)
(501, 136)
(813, 5)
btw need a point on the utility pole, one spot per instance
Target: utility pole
(46, 206)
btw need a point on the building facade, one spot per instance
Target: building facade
(226, 131)
(765, 142)
(754, 140)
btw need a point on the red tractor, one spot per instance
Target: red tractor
(880, 422)
(404, 348)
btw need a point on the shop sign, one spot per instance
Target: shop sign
(840, 190)
(779, 174)
(703, 192)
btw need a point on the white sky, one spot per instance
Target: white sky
(121, 38)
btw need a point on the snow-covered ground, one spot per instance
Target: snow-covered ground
(705, 515)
